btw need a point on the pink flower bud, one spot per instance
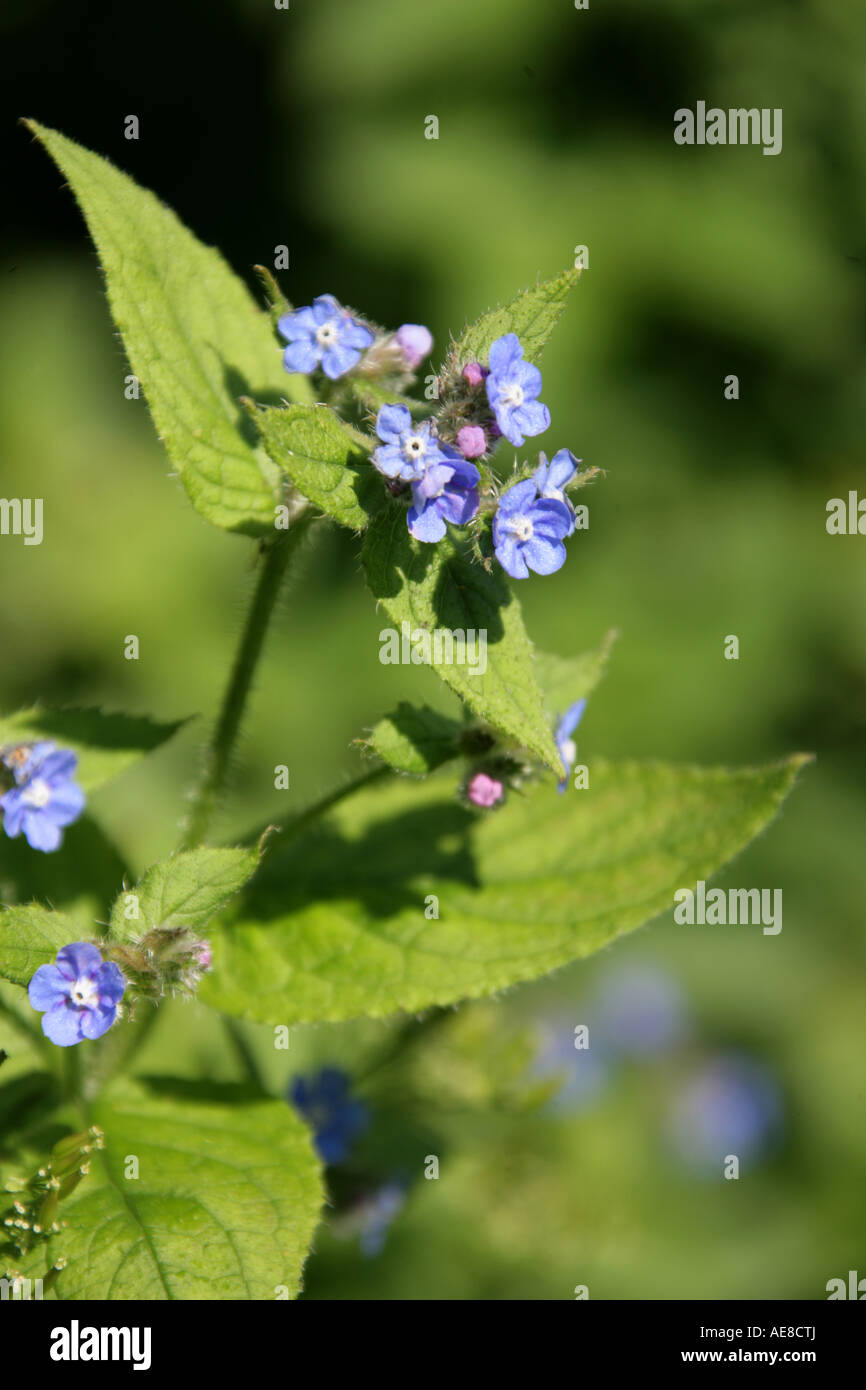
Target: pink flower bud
(472, 441)
(474, 373)
(484, 791)
(415, 342)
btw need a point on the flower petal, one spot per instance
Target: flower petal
(47, 988)
(95, 1022)
(40, 831)
(62, 1025)
(391, 422)
(544, 556)
(302, 356)
(426, 525)
(79, 958)
(109, 982)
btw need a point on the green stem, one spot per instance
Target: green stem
(244, 1053)
(318, 808)
(219, 752)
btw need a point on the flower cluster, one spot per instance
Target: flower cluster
(44, 799)
(433, 460)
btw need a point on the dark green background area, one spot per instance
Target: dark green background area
(306, 128)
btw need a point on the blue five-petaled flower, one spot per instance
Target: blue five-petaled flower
(563, 740)
(78, 997)
(325, 333)
(529, 531)
(512, 391)
(326, 1105)
(407, 449)
(45, 799)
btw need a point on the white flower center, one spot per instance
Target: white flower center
(512, 395)
(36, 793)
(568, 749)
(414, 447)
(522, 528)
(555, 493)
(327, 334)
(84, 993)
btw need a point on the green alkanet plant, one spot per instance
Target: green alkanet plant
(229, 1187)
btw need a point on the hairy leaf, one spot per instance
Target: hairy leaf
(105, 743)
(335, 924)
(194, 337)
(533, 315)
(224, 1206)
(438, 587)
(324, 459)
(183, 891)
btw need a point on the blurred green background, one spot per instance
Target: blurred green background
(306, 128)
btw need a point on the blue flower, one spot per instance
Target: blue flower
(512, 390)
(447, 492)
(325, 1104)
(45, 798)
(407, 449)
(563, 740)
(78, 996)
(730, 1104)
(378, 1212)
(551, 478)
(642, 1011)
(528, 531)
(583, 1073)
(324, 332)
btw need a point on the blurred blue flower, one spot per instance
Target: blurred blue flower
(512, 390)
(325, 333)
(583, 1072)
(730, 1104)
(641, 1010)
(376, 1214)
(45, 799)
(563, 740)
(324, 1101)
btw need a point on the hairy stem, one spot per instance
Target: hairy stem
(276, 555)
(318, 808)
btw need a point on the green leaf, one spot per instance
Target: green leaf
(185, 890)
(80, 880)
(225, 1204)
(31, 936)
(194, 337)
(533, 315)
(334, 925)
(105, 744)
(439, 587)
(325, 460)
(415, 739)
(564, 679)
